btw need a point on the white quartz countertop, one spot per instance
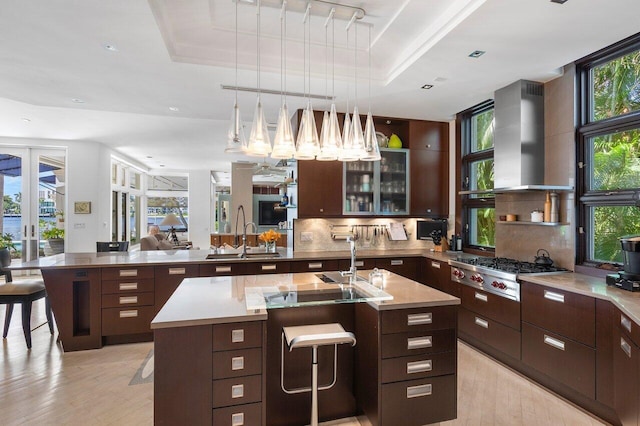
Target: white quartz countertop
(212, 300)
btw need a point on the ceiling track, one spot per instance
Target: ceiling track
(324, 8)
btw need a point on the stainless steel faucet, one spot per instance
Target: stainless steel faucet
(352, 273)
(244, 237)
(244, 231)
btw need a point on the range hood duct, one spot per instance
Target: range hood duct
(519, 137)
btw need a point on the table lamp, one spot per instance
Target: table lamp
(171, 220)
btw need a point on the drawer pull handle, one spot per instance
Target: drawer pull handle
(482, 297)
(128, 272)
(128, 299)
(420, 319)
(128, 286)
(419, 342)
(315, 265)
(177, 271)
(359, 263)
(482, 323)
(237, 391)
(223, 269)
(558, 344)
(237, 363)
(435, 265)
(625, 347)
(397, 262)
(237, 419)
(556, 297)
(419, 366)
(268, 267)
(237, 336)
(625, 322)
(129, 314)
(418, 391)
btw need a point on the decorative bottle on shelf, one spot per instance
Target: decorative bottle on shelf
(555, 208)
(284, 200)
(547, 209)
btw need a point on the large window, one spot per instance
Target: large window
(608, 151)
(127, 219)
(476, 127)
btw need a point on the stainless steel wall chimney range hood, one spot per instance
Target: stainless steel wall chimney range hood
(519, 138)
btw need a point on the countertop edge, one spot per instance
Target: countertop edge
(208, 321)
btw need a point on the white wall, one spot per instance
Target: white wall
(200, 208)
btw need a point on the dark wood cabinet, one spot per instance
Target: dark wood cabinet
(261, 268)
(604, 352)
(408, 267)
(436, 274)
(168, 278)
(219, 269)
(501, 309)
(626, 369)
(319, 189)
(315, 265)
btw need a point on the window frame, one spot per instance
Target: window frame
(586, 129)
(466, 159)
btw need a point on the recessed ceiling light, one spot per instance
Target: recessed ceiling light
(161, 165)
(440, 79)
(174, 109)
(26, 120)
(148, 156)
(110, 47)
(559, 1)
(427, 86)
(476, 53)
(77, 101)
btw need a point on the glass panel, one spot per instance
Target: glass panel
(124, 216)
(135, 219)
(11, 187)
(51, 201)
(159, 207)
(482, 126)
(168, 183)
(481, 177)
(134, 180)
(615, 87)
(393, 182)
(616, 160)
(115, 226)
(482, 227)
(609, 223)
(359, 186)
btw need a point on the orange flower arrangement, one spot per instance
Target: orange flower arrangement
(270, 236)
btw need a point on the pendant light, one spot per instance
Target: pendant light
(357, 143)
(330, 139)
(236, 142)
(259, 141)
(307, 144)
(371, 148)
(283, 143)
(347, 152)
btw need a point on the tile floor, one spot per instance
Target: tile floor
(45, 386)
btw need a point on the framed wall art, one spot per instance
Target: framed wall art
(82, 207)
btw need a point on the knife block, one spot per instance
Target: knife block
(444, 246)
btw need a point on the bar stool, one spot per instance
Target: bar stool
(312, 336)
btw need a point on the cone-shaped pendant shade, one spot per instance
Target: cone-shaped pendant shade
(307, 144)
(283, 144)
(331, 141)
(372, 151)
(328, 151)
(357, 135)
(236, 141)
(259, 141)
(347, 153)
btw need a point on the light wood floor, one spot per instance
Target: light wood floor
(47, 387)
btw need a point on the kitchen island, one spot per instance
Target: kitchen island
(218, 355)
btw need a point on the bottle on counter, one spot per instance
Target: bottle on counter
(547, 208)
(458, 243)
(555, 207)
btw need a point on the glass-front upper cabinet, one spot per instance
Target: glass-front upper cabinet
(378, 187)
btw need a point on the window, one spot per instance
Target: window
(126, 202)
(476, 128)
(168, 194)
(608, 151)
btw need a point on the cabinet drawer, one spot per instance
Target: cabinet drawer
(628, 327)
(418, 367)
(314, 265)
(238, 415)
(131, 320)
(345, 264)
(127, 273)
(127, 286)
(239, 335)
(125, 300)
(407, 267)
(419, 402)
(418, 342)
(244, 362)
(236, 391)
(430, 318)
(268, 268)
(489, 305)
(451, 287)
(218, 269)
(564, 360)
(503, 338)
(569, 314)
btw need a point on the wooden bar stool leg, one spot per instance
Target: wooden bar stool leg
(47, 311)
(26, 322)
(7, 319)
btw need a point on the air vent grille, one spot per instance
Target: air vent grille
(533, 89)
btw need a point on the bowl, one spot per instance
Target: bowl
(383, 141)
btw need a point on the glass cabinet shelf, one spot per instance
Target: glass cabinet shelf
(377, 187)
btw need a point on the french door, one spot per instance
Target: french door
(32, 185)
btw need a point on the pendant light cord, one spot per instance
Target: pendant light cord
(258, 47)
(348, 80)
(355, 65)
(369, 68)
(236, 53)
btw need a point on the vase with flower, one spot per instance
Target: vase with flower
(269, 238)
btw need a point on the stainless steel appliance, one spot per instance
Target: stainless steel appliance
(629, 279)
(497, 275)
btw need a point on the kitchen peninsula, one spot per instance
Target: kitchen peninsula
(218, 354)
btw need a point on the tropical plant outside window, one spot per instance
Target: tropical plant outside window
(477, 129)
(609, 139)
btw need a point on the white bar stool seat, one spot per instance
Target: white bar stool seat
(312, 336)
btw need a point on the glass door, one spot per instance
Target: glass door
(32, 187)
(394, 181)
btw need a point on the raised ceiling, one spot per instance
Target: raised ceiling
(177, 54)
